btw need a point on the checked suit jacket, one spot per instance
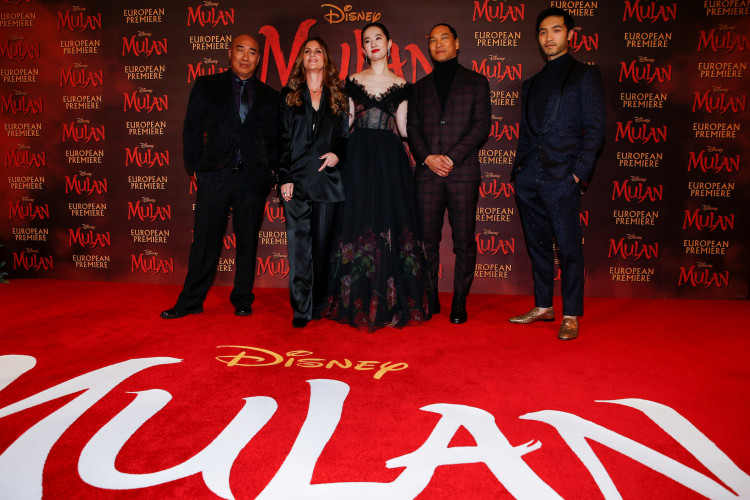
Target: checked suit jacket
(457, 131)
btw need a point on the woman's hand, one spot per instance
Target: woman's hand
(329, 160)
(287, 190)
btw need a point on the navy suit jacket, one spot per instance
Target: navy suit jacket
(213, 133)
(572, 133)
(457, 131)
(301, 148)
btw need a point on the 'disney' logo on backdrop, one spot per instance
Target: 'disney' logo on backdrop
(649, 12)
(724, 39)
(148, 262)
(81, 130)
(702, 275)
(141, 101)
(85, 184)
(79, 76)
(640, 134)
(141, 45)
(275, 265)
(335, 14)
(16, 48)
(636, 189)
(76, 19)
(643, 70)
(498, 12)
(19, 103)
(713, 160)
(86, 237)
(147, 210)
(489, 243)
(718, 100)
(23, 157)
(632, 247)
(707, 218)
(498, 69)
(30, 260)
(26, 209)
(255, 357)
(209, 14)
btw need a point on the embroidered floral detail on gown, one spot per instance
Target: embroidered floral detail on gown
(378, 262)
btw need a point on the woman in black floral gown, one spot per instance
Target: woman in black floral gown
(377, 267)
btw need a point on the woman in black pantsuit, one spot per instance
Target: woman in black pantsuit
(313, 123)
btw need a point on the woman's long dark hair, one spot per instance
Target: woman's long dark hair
(337, 100)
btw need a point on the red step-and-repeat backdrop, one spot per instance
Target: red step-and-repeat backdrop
(93, 96)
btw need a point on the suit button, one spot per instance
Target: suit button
(442, 122)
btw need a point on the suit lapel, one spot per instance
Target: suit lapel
(431, 96)
(456, 85)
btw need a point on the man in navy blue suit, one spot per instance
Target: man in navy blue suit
(562, 130)
(229, 144)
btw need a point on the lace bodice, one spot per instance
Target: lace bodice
(376, 112)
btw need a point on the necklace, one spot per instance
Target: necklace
(315, 91)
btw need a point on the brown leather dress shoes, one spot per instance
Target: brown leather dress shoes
(535, 314)
(568, 329)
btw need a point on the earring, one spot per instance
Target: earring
(366, 61)
(389, 52)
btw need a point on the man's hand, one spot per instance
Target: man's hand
(329, 160)
(440, 164)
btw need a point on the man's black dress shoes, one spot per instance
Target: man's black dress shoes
(458, 310)
(243, 310)
(175, 313)
(299, 322)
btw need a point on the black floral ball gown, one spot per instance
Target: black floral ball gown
(377, 275)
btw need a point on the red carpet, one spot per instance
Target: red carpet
(652, 401)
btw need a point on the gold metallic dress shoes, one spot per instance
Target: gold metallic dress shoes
(568, 329)
(535, 314)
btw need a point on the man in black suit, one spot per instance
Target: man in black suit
(562, 130)
(229, 143)
(448, 121)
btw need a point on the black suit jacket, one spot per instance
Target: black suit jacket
(457, 131)
(573, 129)
(301, 148)
(213, 133)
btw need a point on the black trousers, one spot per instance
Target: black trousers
(235, 192)
(550, 212)
(309, 228)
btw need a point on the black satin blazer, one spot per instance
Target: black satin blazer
(300, 148)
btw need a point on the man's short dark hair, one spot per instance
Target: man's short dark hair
(570, 23)
(450, 28)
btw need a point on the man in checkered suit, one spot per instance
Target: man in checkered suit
(448, 121)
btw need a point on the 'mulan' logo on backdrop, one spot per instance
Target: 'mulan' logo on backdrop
(724, 39)
(83, 183)
(635, 189)
(230, 241)
(488, 243)
(142, 101)
(498, 70)
(718, 100)
(23, 157)
(500, 131)
(147, 210)
(25, 209)
(18, 103)
(209, 15)
(498, 11)
(491, 188)
(640, 134)
(149, 262)
(701, 276)
(645, 71)
(274, 213)
(652, 12)
(81, 131)
(30, 260)
(712, 160)
(337, 14)
(633, 248)
(144, 47)
(16, 48)
(76, 19)
(276, 265)
(86, 237)
(580, 41)
(145, 156)
(707, 218)
(78, 76)
(205, 67)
